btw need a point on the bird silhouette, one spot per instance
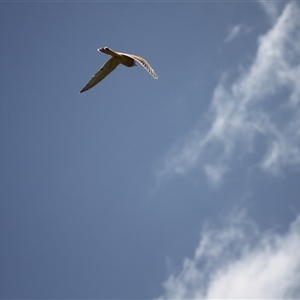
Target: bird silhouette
(128, 60)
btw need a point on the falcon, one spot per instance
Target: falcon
(128, 60)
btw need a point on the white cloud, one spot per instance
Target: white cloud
(263, 102)
(238, 262)
(235, 31)
(215, 173)
(271, 8)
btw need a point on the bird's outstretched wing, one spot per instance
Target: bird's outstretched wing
(144, 63)
(107, 68)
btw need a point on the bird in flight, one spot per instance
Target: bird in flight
(128, 60)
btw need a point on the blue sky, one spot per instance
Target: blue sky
(181, 187)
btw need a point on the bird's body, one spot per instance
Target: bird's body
(117, 58)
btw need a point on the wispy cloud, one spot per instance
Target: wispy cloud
(235, 31)
(271, 8)
(237, 262)
(262, 102)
